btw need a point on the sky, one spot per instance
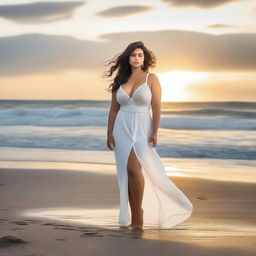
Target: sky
(205, 50)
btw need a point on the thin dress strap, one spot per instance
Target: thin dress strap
(147, 78)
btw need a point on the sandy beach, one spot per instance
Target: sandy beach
(70, 212)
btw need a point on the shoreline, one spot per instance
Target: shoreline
(104, 162)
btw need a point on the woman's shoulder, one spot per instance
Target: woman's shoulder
(152, 74)
(152, 77)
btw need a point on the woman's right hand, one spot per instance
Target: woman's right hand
(111, 142)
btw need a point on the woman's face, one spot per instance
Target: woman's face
(136, 58)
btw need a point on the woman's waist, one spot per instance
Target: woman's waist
(134, 108)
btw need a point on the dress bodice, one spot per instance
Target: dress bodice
(141, 97)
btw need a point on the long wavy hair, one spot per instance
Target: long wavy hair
(120, 62)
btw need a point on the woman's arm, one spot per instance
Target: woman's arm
(114, 108)
(156, 106)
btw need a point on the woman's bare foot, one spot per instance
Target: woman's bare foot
(137, 221)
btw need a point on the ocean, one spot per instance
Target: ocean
(217, 130)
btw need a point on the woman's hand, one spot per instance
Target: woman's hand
(111, 142)
(153, 139)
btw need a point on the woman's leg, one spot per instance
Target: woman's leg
(131, 202)
(136, 188)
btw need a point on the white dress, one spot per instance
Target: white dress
(164, 204)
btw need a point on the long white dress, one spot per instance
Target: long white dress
(164, 204)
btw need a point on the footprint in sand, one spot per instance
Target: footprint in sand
(61, 239)
(10, 240)
(201, 198)
(91, 234)
(17, 228)
(19, 222)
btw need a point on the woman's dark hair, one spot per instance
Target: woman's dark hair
(121, 64)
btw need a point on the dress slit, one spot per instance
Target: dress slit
(128, 214)
(134, 150)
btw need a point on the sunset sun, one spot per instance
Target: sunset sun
(175, 84)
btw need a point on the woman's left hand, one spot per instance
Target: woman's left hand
(153, 139)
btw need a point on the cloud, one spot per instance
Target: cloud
(41, 12)
(221, 26)
(124, 10)
(39, 53)
(195, 51)
(199, 3)
(184, 50)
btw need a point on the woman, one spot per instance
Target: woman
(132, 134)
